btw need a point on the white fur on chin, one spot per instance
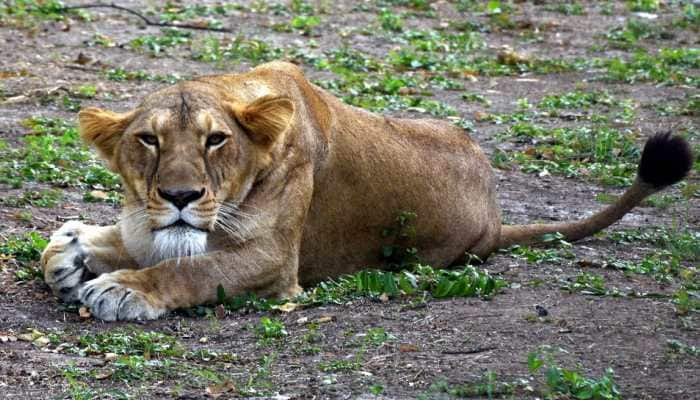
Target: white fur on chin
(178, 242)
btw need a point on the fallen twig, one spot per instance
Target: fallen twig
(471, 351)
(144, 18)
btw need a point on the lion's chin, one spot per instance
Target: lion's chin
(178, 242)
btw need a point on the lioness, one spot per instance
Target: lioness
(262, 182)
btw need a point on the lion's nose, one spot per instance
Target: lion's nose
(181, 197)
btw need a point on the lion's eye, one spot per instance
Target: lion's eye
(215, 139)
(148, 139)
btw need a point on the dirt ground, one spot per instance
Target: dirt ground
(450, 342)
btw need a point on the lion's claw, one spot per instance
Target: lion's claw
(110, 300)
(64, 262)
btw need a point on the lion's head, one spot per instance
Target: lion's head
(188, 155)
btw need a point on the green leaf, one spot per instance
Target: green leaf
(220, 294)
(534, 363)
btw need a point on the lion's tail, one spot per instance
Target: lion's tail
(665, 160)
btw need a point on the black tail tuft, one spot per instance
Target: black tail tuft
(665, 160)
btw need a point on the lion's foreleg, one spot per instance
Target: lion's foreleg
(151, 292)
(78, 252)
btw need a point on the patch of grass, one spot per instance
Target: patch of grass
(47, 198)
(77, 390)
(53, 153)
(587, 283)
(687, 297)
(260, 382)
(690, 107)
(440, 283)
(120, 74)
(420, 280)
(213, 49)
(566, 8)
(374, 337)
(549, 254)
(172, 12)
(627, 37)
(576, 99)
(130, 342)
(25, 250)
(668, 66)
(156, 45)
(270, 329)
(390, 20)
(487, 386)
(305, 23)
(676, 348)
(604, 155)
(27, 12)
(377, 336)
(643, 5)
(309, 341)
(560, 382)
(682, 244)
(690, 18)
(476, 98)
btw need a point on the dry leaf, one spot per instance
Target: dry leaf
(8, 338)
(509, 57)
(103, 375)
(408, 348)
(110, 356)
(26, 337)
(84, 312)
(324, 318)
(98, 194)
(287, 307)
(217, 390)
(480, 115)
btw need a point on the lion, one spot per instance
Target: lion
(262, 183)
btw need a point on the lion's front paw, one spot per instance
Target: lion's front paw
(111, 300)
(64, 262)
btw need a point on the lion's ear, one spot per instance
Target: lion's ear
(102, 129)
(266, 118)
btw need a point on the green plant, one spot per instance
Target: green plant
(156, 45)
(586, 283)
(120, 74)
(377, 336)
(566, 8)
(476, 98)
(25, 248)
(305, 23)
(487, 386)
(389, 20)
(677, 347)
(668, 65)
(53, 154)
(549, 254)
(271, 328)
(130, 342)
(643, 5)
(46, 198)
(561, 382)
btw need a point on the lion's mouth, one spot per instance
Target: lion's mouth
(180, 224)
